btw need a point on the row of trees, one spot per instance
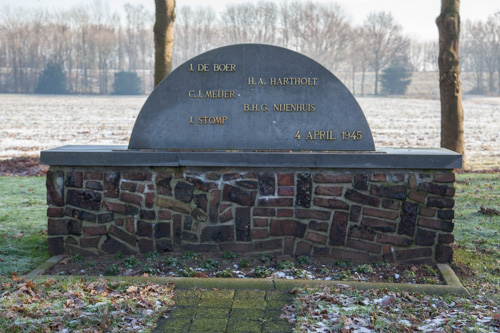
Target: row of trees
(91, 43)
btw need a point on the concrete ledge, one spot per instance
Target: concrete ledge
(387, 158)
(453, 285)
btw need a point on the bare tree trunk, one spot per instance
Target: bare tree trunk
(164, 38)
(452, 114)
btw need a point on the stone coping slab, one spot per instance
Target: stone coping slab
(453, 285)
(389, 158)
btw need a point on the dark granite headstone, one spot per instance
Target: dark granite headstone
(251, 97)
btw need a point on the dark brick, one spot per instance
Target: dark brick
(139, 176)
(329, 178)
(379, 177)
(356, 256)
(163, 245)
(131, 198)
(141, 188)
(333, 191)
(355, 213)
(285, 212)
(390, 204)
(130, 225)
(422, 252)
(164, 215)
(364, 246)
(145, 229)
(444, 253)
(119, 222)
(223, 233)
(437, 189)
(312, 214)
(177, 229)
(303, 249)
(147, 214)
(227, 216)
(189, 237)
(446, 238)
(276, 202)
(239, 196)
(128, 186)
(202, 185)
(394, 240)
(94, 230)
(187, 223)
(111, 184)
(267, 183)
(122, 235)
(184, 192)
(120, 208)
(408, 219)
(440, 202)
(236, 247)
(84, 199)
(379, 225)
(425, 237)
(231, 176)
(286, 179)
(444, 177)
(56, 245)
(356, 196)
(242, 224)
(146, 245)
(55, 212)
(362, 233)
(74, 179)
(200, 216)
(57, 227)
(417, 196)
(249, 174)
(391, 192)
(249, 184)
(214, 206)
(267, 245)
(105, 217)
(163, 183)
(443, 225)
(289, 246)
(316, 238)
(180, 207)
(260, 233)
(71, 240)
(304, 190)
(92, 242)
(94, 185)
(287, 228)
(339, 228)
(318, 226)
(201, 201)
(446, 214)
(74, 226)
(55, 188)
(320, 251)
(264, 212)
(331, 203)
(427, 212)
(361, 181)
(212, 176)
(80, 214)
(93, 175)
(385, 214)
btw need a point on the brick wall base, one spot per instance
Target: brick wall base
(360, 215)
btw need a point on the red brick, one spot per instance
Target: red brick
(339, 228)
(174, 205)
(119, 222)
(379, 225)
(285, 212)
(318, 226)
(93, 176)
(131, 198)
(89, 242)
(227, 216)
(394, 240)
(329, 178)
(427, 212)
(276, 202)
(150, 199)
(130, 225)
(446, 238)
(330, 203)
(289, 246)
(422, 252)
(444, 177)
(260, 222)
(385, 214)
(378, 177)
(333, 191)
(443, 225)
(139, 176)
(303, 249)
(141, 188)
(260, 233)
(356, 196)
(362, 233)
(287, 228)
(316, 238)
(55, 212)
(391, 204)
(417, 196)
(128, 186)
(94, 230)
(264, 212)
(120, 208)
(364, 246)
(164, 215)
(223, 207)
(286, 191)
(285, 179)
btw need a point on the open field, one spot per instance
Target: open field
(31, 123)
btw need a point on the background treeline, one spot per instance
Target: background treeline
(90, 44)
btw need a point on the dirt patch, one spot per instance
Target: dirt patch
(229, 264)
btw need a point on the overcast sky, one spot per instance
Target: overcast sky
(416, 17)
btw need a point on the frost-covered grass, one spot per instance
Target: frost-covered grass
(31, 123)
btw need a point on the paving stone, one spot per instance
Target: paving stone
(209, 325)
(218, 313)
(247, 326)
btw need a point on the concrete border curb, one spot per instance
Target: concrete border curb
(453, 284)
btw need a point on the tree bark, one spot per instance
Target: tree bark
(164, 38)
(452, 114)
